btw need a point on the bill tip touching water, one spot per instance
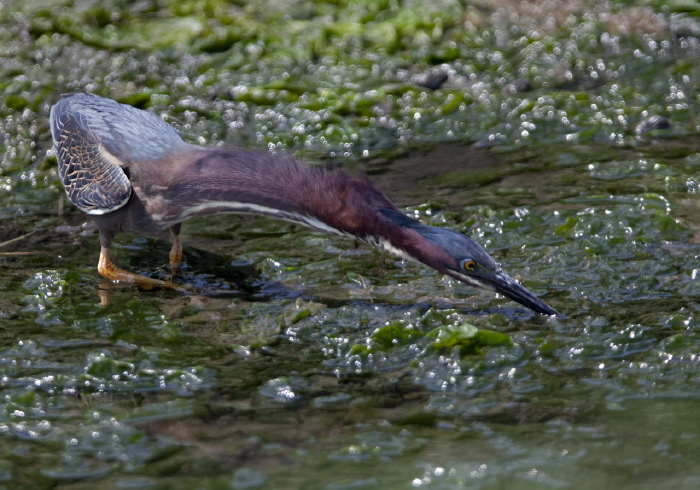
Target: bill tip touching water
(132, 172)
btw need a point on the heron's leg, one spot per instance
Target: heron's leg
(108, 269)
(176, 250)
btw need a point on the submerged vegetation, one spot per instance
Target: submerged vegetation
(562, 136)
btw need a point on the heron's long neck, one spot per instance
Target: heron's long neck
(236, 180)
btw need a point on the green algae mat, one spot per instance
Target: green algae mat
(564, 137)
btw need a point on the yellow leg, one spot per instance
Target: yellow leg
(107, 269)
(175, 254)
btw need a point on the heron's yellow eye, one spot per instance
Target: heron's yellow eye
(469, 265)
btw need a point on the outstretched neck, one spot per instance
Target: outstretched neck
(203, 181)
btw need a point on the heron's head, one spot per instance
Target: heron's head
(458, 256)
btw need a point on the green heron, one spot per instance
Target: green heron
(132, 172)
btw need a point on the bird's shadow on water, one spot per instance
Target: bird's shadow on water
(203, 272)
(224, 276)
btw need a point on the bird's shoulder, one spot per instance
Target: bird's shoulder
(125, 131)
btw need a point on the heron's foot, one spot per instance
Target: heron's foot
(176, 256)
(175, 262)
(175, 265)
(114, 273)
(109, 270)
(175, 268)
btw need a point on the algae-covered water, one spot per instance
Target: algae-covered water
(562, 136)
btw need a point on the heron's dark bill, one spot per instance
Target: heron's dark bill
(503, 284)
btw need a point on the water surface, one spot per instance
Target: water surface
(308, 361)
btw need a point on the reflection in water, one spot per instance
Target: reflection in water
(157, 388)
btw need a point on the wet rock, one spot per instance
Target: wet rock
(651, 123)
(432, 79)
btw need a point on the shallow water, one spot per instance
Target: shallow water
(324, 364)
